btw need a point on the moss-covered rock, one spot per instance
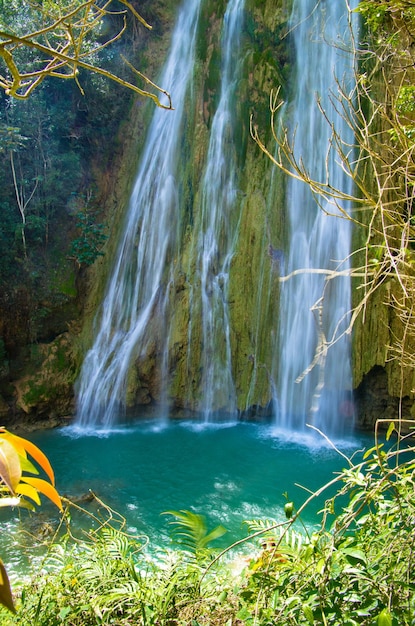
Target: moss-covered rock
(47, 389)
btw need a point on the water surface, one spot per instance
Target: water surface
(227, 472)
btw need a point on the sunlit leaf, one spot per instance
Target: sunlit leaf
(308, 613)
(10, 470)
(356, 554)
(46, 488)
(24, 447)
(27, 466)
(390, 430)
(24, 489)
(384, 618)
(6, 598)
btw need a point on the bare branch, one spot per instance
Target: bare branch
(381, 165)
(65, 47)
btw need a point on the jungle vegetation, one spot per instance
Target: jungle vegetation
(357, 567)
(67, 84)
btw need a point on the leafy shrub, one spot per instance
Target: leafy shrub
(86, 248)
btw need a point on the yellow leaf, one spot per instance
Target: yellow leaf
(10, 470)
(391, 428)
(28, 491)
(14, 440)
(24, 446)
(6, 597)
(44, 487)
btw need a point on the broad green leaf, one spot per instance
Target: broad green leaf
(6, 597)
(293, 600)
(64, 612)
(308, 613)
(243, 613)
(355, 553)
(10, 470)
(44, 487)
(384, 618)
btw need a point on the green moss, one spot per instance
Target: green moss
(36, 393)
(68, 285)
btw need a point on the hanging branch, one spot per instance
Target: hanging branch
(63, 46)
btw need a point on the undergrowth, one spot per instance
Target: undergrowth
(356, 569)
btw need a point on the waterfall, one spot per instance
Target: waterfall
(167, 302)
(218, 228)
(315, 386)
(139, 285)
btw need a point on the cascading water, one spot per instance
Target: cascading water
(218, 231)
(138, 286)
(193, 336)
(315, 312)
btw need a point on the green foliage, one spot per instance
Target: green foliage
(378, 15)
(405, 102)
(190, 533)
(10, 138)
(86, 248)
(62, 158)
(108, 579)
(356, 569)
(374, 13)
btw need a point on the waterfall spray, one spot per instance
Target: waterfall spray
(314, 382)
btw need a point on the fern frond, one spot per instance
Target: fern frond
(258, 525)
(289, 541)
(189, 531)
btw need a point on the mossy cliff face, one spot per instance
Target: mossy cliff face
(43, 384)
(256, 220)
(383, 338)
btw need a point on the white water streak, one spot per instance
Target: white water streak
(138, 285)
(219, 228)
(312, 311)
